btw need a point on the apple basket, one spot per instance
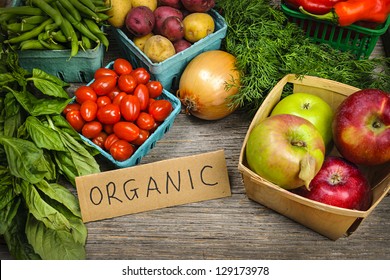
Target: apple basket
(332, 222)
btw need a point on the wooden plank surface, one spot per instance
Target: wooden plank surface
(228, 228)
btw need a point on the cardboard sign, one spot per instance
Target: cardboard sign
(153, 186)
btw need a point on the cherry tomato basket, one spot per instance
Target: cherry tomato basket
(358, 40)
(150, 143)
(78, 69)
(168, 72)
(330, 221)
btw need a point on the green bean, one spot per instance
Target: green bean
(70, 34)
(59, 36)
(89, 4)
(5, 18)
(51, 12)
(51, 46)
(22, 10)
(34, 19)
(51, 27)
(85, 10)
(71, 9)
(102, 17)
(77, 24)
(31, 45)
(19, 27)
(29, 34)
(85, 43)
(97, 31)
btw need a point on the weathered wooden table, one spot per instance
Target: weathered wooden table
(228, 228)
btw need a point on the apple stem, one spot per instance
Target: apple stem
(306, 106)
(298, 143)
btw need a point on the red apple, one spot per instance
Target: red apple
(339, 183)
(361, 127)
(286, 150)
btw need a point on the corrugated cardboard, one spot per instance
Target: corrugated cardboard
(153, 186)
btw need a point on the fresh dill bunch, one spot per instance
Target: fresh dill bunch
(267, 47)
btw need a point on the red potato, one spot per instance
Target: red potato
(199, 6)
(161, 14)
(140, 21)
(171, 3)
(181, 45)
(173, 29)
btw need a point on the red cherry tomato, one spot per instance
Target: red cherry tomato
(141, 74)
(121, 150)
(108, 128)
(109, 114)
(155, 88)
(103, 101)
(122, 66)
(104, 85)
(88, 110)
(75, 119)
(100, 139)
(91, 129)
(71, 107)
(85, 93)
(160, 109)
(130, 107)
(104, 72)
(145, 121)
(114, 92)
(143, 135)
(118, 99)
(127, 83)
(111, 139)
(142, 92)
(126, 130)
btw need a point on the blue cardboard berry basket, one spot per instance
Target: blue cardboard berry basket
(150, 143)
(168, 72)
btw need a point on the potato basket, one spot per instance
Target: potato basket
(168, 72)
(359, 40)
(332, 222)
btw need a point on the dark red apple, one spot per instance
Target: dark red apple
(361, 127)
(339, 183)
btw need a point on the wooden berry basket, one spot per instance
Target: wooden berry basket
(332, 222)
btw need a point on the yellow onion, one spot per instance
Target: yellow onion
(207, 83)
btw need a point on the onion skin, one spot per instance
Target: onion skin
(203, 87)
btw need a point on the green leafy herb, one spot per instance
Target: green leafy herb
(39, 218)
(268, 47)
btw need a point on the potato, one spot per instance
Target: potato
(118, 12)
(172, 28)
(181, 45)
(140, 21)
(161, 13)
(197, 26)
(140, 41)
(151, 4)
(158, 48)
(172, 3)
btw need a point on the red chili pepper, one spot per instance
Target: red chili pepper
(318, 7)
(351, 11)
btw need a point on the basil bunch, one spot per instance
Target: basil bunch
(39, 217)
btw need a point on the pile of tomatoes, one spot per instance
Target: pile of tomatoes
(118, 110)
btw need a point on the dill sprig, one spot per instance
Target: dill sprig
(267, 47)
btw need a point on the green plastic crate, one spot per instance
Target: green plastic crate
(356, 39)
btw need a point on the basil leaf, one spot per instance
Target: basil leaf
(51, 244)
(37, 107)
(41, 210)
(13, 116)
(48, 84)
(61, 194)
(25, 159)
(43, 136)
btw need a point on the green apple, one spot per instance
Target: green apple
(286, 150)
(311, 107)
